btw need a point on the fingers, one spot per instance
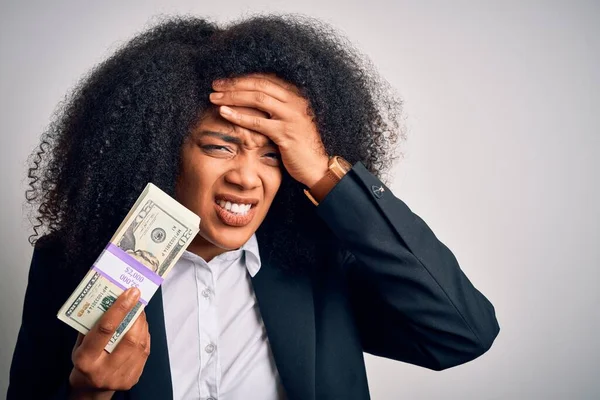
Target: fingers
(138, 359)
(80, 338)
(119, 370)
(129, 373)
(97, 338)
(258, 100)
(278, 81)
(270, 128)
(78, 342)
(129, 357)
(260, 83)
(147, 340)
(134, 341)
(134, 346)
(127, 354)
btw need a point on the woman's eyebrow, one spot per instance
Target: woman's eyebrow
(232, 139)
(222, 136)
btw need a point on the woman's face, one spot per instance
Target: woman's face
(229, 176)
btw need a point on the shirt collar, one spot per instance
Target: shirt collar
(252, 255)
(249, 250)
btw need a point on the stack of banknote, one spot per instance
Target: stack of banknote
(147, 244)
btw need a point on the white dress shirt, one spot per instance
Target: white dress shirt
(218, 346)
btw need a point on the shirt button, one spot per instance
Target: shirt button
(210, 348)
(206, 293)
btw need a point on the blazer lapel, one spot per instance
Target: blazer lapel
(286, 305)
(155, 381)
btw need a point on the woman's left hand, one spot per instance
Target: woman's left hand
(290, 125)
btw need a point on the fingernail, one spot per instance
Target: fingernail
(216, 95)
(219, 82)
(133, 294)
(226, 110)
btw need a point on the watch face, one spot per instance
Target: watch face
(338, 166)
(346, 166)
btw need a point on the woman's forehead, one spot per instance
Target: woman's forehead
(214, 123)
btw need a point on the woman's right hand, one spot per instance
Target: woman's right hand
(96, 373)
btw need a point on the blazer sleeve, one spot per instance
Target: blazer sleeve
(41, 362)
(410, 299)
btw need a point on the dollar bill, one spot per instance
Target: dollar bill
(155, 232)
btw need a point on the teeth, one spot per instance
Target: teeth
(234, 207)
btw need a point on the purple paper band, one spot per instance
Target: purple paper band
(135, 264)
(119, 284)
(115, 269)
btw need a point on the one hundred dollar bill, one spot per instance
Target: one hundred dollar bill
(147, 244)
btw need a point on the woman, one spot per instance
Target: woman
(284, 288)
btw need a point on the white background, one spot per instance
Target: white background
(501, 105)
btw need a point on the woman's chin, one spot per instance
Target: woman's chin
(227, 240)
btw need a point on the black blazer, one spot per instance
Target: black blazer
(396, 292)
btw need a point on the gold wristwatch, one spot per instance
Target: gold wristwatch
(338, 167)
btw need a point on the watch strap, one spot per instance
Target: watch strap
(338, 167)
(320, 189)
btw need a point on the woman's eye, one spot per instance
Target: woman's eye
(275, 156)
(216, 147)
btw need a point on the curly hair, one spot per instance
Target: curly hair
(124, 123)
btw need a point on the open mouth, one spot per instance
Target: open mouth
(235, 211)
(234, 208)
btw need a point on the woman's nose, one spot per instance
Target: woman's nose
(244, 175)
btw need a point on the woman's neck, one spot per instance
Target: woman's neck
(205, 249)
